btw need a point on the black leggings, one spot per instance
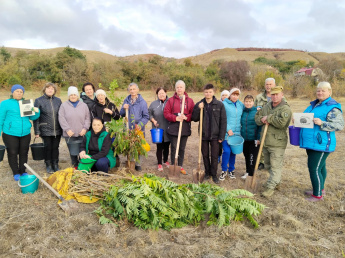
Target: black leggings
(51, 147)
(17, 146)
(162, 152)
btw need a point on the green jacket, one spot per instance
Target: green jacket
(110, 155)
(279, 120)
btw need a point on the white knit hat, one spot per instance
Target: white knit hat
(72, 90)
(225, 92)
(234, 90)
(100, 91)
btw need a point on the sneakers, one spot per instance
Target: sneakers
(167, 164)
(313, 198)
(261, 166)
(244, 176)
(215, 180)
(267, 193)
(183, 171)
(16, 177)
(160, 168)
(222, 175)
(232, 175)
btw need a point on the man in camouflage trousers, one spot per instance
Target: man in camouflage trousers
(276, 115)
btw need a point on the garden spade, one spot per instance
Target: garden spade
(70, 206)
(198, 174)
(250, 183)
(174, 171)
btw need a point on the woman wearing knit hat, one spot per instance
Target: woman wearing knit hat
(47, 126)
(104, 108)
(74, 118)
(16, 131)
(234, 110)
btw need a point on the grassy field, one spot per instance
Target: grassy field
(32, 225)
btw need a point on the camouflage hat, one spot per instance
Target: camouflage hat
(276, 89)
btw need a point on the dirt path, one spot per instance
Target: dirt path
(32, 225)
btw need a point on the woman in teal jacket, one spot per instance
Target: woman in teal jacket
(320, 141)
(16, 130)
(234, 110)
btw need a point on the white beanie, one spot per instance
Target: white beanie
(234, 90)
(72, 90)
(100, 92)
(225, 92)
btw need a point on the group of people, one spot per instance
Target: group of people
(82, 118)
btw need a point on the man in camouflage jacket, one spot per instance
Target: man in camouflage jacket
(276, 115)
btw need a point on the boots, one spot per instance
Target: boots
(49, 167)
(55, 165)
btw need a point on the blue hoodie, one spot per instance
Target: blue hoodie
(138, 112)
(11, 122)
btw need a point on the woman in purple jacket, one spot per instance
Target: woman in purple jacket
(74, 119)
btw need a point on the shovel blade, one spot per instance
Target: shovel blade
(195, 176)
(251, 186)
(201, 176)
(70, 207)
(174, 172)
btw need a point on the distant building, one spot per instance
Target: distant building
(309, 72)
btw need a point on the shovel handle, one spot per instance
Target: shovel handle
(127, 120)
(259, 154)
(44, 182)
(180, 128)
(200, 132)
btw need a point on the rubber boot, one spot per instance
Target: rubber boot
(55, 165)
(49, 167)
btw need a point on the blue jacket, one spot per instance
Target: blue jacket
(138, 112)
(233, 116)
(250, 131)
(315, 138)
(11, 122)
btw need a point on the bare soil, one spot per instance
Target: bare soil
(33, 225)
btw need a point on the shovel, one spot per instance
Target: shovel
(70, 206)
(175, 171)
(198, 174)
(250, 183)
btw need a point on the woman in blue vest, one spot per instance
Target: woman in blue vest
(16, 130)
(97, 145)
(234, 110)
(320, 141)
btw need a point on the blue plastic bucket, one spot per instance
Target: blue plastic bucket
(294, 133)
(157, 135)
(236, 143)
(28, 183)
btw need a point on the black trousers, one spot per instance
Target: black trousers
(162, 152)
(17, 146)
(250, 153)
(51, 147)
(211, 166)
(183, 142)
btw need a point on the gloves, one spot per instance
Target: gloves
(35, 109)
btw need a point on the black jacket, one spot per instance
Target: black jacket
(93, 148)
(48, 122)
(89, 102)
(218, 119)
(98, 111)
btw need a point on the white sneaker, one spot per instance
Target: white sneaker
(244, 176)
(232, 175)
(222, 176)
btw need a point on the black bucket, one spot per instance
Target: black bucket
(2, 152)
(38, 150)
(74, 147)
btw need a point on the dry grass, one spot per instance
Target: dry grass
(33, 225)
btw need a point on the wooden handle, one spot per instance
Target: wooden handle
(180, 128)
(44, 182)
(127, 118)
(262, 141)
(200, 137)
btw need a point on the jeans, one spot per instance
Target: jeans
(228, 158)
(101, 165)
(17, 146)
(51, 147)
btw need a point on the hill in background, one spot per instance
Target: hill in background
(225, 54)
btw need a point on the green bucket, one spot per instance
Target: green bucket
(28, 183)
(86, 164)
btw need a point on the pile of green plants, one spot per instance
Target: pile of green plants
(151, 202)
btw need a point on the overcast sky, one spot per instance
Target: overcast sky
(173, 28)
